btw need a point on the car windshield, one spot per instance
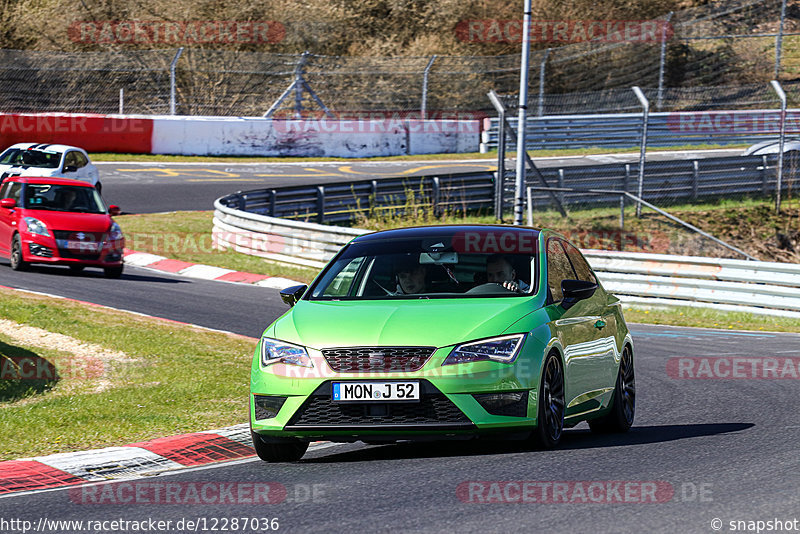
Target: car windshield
(30, 158)
(55, 197)
(447, 266)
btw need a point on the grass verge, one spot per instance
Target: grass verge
(176, 379)
(709, 318)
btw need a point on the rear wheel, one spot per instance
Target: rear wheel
(283, 451)
(113, 272)
(17, 261)
(550, 418)
(623, 404)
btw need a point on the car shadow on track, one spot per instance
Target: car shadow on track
(571, 440)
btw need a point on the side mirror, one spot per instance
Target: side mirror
(8, 203)
(114, 210)
(576, 290)
(291, 295)
(70, 168)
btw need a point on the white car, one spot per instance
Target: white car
(47, 160)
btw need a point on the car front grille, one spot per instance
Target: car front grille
(433, 408)
(377, 359)
(63, 237)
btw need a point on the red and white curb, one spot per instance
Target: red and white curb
(203, 272)
(130, 461)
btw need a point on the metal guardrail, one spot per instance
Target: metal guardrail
(624, 130)
(758, 287)
(343, 201)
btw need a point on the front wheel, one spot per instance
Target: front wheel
(623, 403)
(18, 263)
(550, 418)
(113, 272)
(288, 451)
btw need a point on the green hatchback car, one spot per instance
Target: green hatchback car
(443, 332)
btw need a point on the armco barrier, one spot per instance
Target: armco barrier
(654, 279)
(624, 130)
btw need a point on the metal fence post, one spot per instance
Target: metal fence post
(776, 85)
(695, 179)
(172, 81)
(660, 99)
(501, 154)
(423, 108)
(121, 100)
(436, 190)
(321, 204)
(764, 177)
(272, 194)
(779, 41)
(541, 82)
(519, 193)
(645, 114)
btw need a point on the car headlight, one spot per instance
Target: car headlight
(500, 349)
(35, 226)
(114, 232)
(273, 351)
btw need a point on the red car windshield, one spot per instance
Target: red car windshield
(54, 197)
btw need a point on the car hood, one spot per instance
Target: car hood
(423, 322)
(771, 147)
(78, 222)
(29, 171)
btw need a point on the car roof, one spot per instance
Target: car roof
(50, 147)
(46, 180)
(441, 230)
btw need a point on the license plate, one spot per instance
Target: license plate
(375, 391)
(83, 247)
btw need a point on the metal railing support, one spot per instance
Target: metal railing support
(423, 107)
(172, 80)
(645, 113)
(500, 179)
(779, 41)
(542, 65)
(776, 85)
(662, 62)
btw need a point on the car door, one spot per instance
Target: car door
(585, 350)
(7, 216)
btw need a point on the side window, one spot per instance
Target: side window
(80, 159)
(13, 191)
(579, 263)
(70, 160)
(4, 190)
(558, 268)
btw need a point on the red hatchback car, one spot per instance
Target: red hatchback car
(58, 221)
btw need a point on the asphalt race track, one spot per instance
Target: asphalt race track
(715, 448)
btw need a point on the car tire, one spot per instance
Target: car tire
(619, 417)
(279, 451)
(551, 404)
(18, 263)
(113, 272)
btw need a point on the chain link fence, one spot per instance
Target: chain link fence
(737, 44)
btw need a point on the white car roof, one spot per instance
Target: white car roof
(46, 146)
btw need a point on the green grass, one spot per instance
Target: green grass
(182, 380)
(709, 318)
(492, 154)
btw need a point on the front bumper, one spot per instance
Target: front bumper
(46, 249)
(452, 401)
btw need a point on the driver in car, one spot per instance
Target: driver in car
(500, 271)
